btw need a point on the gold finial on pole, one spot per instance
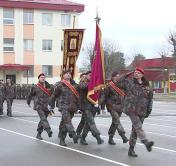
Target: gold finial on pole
(97, 18)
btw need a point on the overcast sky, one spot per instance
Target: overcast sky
(136, 25)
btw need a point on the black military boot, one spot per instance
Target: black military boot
(50, 133)
(148, 144)
(9, 114)
(99, 140)
(62, 142)
(111, 141)
(131, 152)
(39, 136)
(83, 141)
(75, 138)
(1, 112)
(59, 134)
(124, 138)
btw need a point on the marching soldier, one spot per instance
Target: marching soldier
(2, 96)
(41, 92)
(138, 106)
(88, 107)
(10, 92)
(113, 98)
(66, 92)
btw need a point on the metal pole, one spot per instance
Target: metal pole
(74, 18)
(27, 76)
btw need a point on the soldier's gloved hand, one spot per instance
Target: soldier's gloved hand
(50, 109)
(96, 105)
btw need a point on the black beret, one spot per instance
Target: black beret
(114, 73)
(41, 75)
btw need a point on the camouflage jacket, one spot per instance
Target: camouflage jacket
(10, 91)
(2, 90)
(111, 99)
(64, 97)
(85, 104)
(138, 99)
(41, 99)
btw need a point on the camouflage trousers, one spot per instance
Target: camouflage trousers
(9, 105)
(66, 125)
(137, 130)
(81, 123)
(116, 124)
(90, 124)
(1, 104)
(43, 124)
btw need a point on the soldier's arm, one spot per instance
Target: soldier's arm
(83, 85)
(102, 98)
(56, 93)
(150, 103)
(31, 94)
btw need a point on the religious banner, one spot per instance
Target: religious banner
(72, 45)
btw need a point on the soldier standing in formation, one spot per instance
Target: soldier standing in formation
(41, 91)
(138, 106)
(66, 92)
(2, 96)
(113, 98)
(10, 91)
(88, 107)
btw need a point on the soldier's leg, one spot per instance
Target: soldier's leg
(67, 116)
(120, 129)
(81, 124)
(92, 126)
(9, 107)
(112, 128)
(1, 106)
(137, 124)
(44, 124)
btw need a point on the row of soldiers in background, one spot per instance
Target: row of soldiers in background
(132, 95)
(7, 93)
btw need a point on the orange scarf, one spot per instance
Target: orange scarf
(119, 91)
(72, 88)
(44, 89)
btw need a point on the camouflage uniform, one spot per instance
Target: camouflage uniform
(2, 97)
(137, 105)
(10, 95)
(41, 106)
(114, 104)
(88, 107)
(68, 105)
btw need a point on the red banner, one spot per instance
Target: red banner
(97, 72)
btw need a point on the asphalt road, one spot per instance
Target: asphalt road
(19, 147)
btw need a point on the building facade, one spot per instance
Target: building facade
(31, 34)
(161, 72)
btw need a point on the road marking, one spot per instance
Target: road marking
(63, 147)
(164, 149)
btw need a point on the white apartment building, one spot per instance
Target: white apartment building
(31, 34)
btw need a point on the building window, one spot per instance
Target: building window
(47, 19)
(157, 84)
(8, 45)
(30, 72)
(65, 19)
(8, 16)
(47, 70)
(28, 17)
(28, 45)
(47, 45)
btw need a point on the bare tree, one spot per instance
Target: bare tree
(172, 42)
(113, 58)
